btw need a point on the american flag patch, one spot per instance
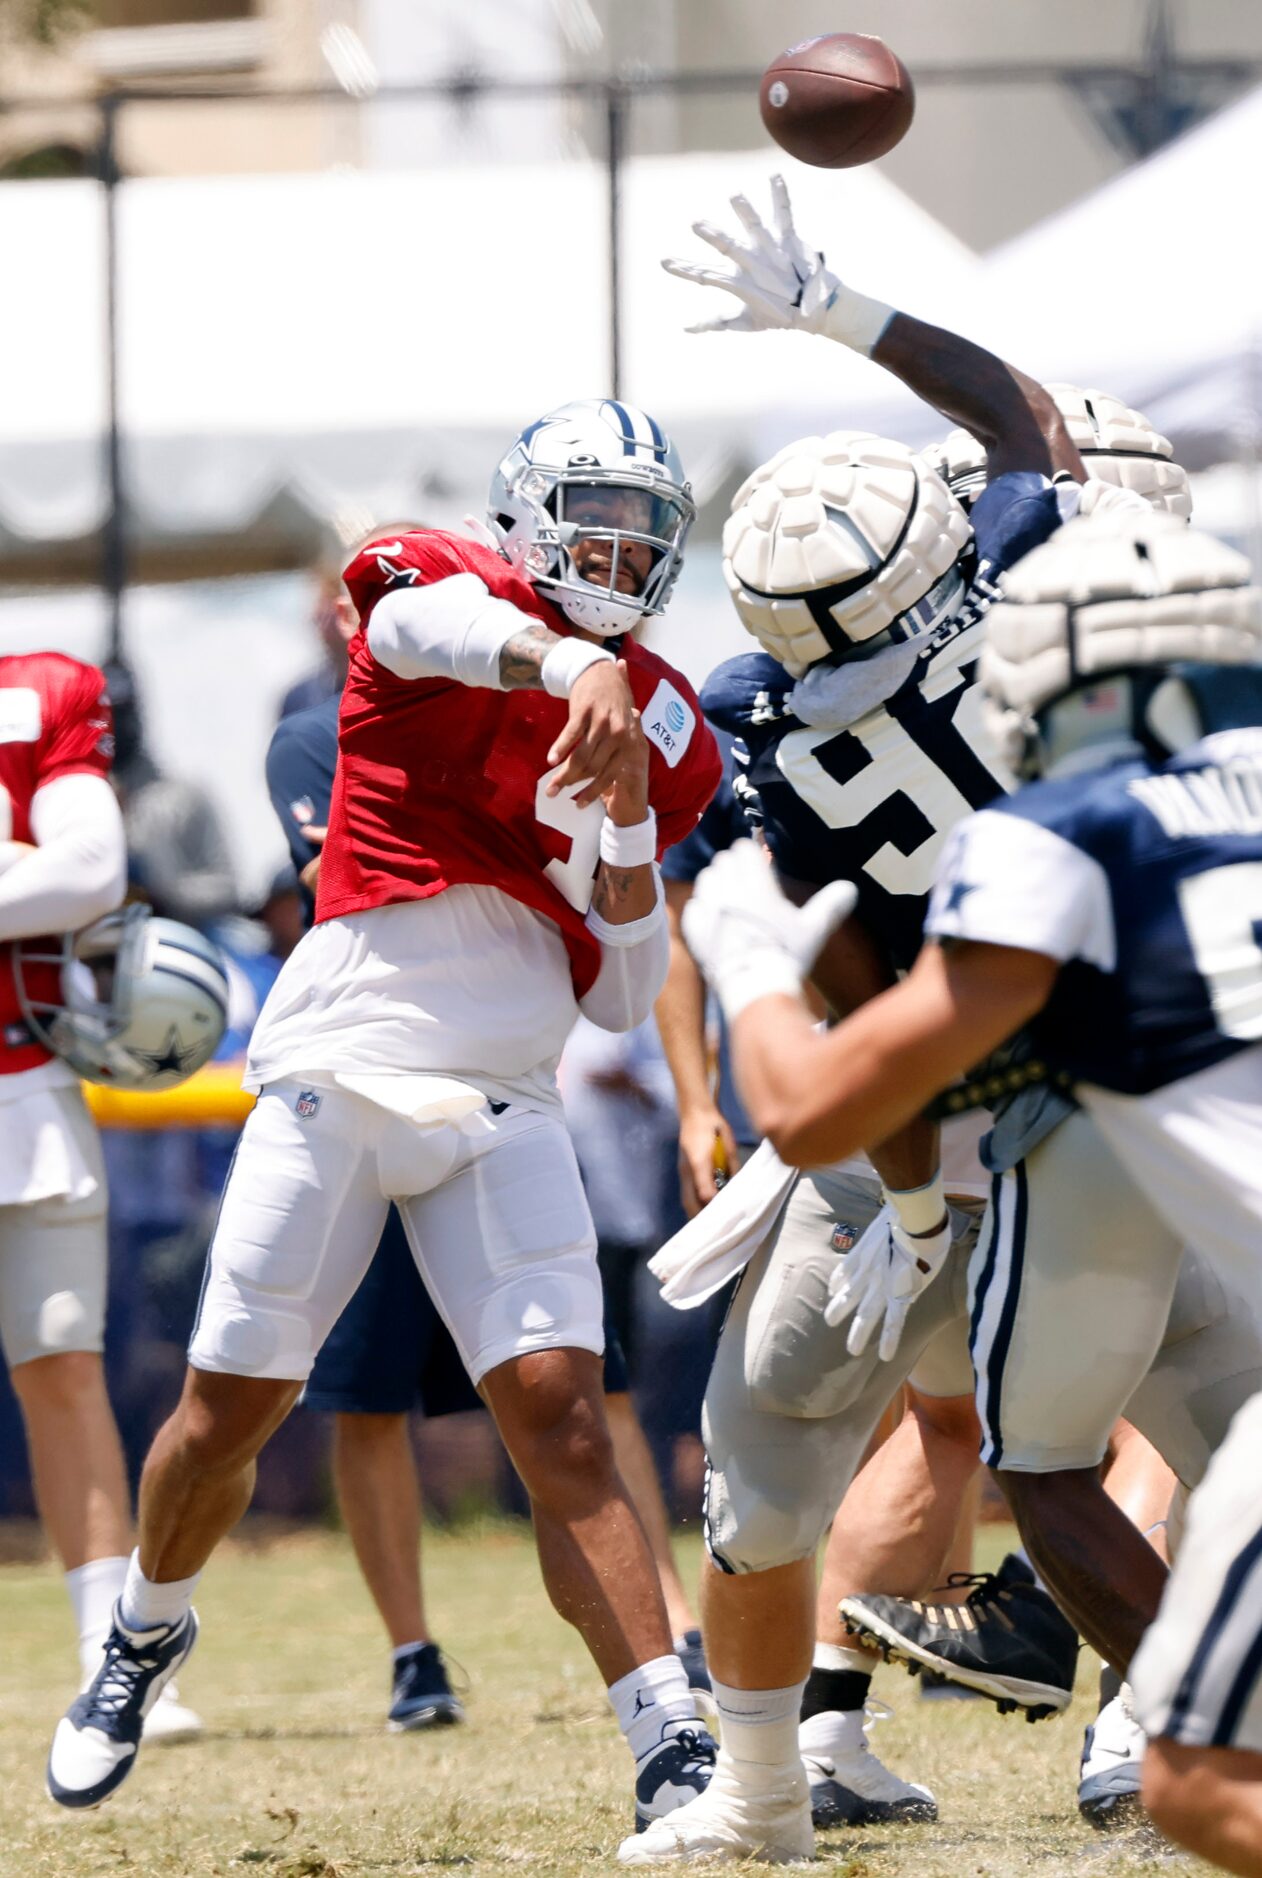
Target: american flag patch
(307, 1104)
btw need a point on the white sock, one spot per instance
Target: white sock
(93, 1590)
(144, 1605)
(759, 1724)
(652, 1696)
(406, 1649)
(832, 1732)
(839, 1656)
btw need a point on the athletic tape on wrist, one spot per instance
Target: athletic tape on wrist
(567, 659)
(635, 846)
(919, 1209)
(856, 321)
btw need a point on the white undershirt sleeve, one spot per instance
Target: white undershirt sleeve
(79, 868)
(633, 966)
(452, 628)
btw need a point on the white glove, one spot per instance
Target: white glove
(783, 284)
(748, 939)
(1101, 498)
(880, 1278)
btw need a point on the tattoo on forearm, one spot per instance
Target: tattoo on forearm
(522, 656)
(614, 887)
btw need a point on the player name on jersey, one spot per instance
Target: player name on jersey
(1224, 800)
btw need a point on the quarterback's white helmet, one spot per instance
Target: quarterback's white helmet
(838, 540)
(1124, 593)
(143, 1001)
(595, 470)
(1117, 446)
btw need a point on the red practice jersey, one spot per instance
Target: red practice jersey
(440, 784)
(55, 720)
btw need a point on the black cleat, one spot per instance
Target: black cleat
(1008, 1640)
(421, 1696)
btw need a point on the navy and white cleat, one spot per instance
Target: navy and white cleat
(422, 1695)
(97, 1740)
(674, 1772)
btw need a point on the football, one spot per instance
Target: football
(837, 100)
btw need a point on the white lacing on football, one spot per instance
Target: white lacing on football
(1111, 591)
(1117, 445)
(835, 538)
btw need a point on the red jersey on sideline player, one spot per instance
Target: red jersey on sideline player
(55, 720)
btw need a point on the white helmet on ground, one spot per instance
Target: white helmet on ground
(1117, 446)
(595, 470)
(141, 1004)
(840, 540)
(1125, 594)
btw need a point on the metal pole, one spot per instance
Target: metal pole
(615, 135)
(114, 528)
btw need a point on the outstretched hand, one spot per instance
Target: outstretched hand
(782, 284)
(771, 269)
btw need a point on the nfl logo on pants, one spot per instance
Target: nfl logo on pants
(307, 1104)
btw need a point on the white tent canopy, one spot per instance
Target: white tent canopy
(360, 344)
(1149, 287)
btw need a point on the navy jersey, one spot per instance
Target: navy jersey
(866, 788)
(722, 823)
(1147, 884)
(301, 760)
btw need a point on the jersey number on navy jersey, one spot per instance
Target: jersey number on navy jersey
(903, 779)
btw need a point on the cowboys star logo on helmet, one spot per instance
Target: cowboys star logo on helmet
(590, 503)
(143, 1002)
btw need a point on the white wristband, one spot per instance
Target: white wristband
(635, 846)
(853, 320)
(562, 665)
(920, 1209)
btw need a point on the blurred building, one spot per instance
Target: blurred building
(1023, 107)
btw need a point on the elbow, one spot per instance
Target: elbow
(788, 1137)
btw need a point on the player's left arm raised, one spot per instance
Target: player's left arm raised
(784, 284)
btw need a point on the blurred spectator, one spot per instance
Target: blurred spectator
(714, 1131)
(177, 854)
(335, 623)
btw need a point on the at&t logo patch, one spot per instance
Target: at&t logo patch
(668, 721)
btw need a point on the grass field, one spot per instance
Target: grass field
(297, 1779)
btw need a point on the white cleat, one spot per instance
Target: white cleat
(170, 1720)
(747, 1811)
(849, 1785)
(1112, 1769)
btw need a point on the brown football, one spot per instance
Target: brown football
(837, 100)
